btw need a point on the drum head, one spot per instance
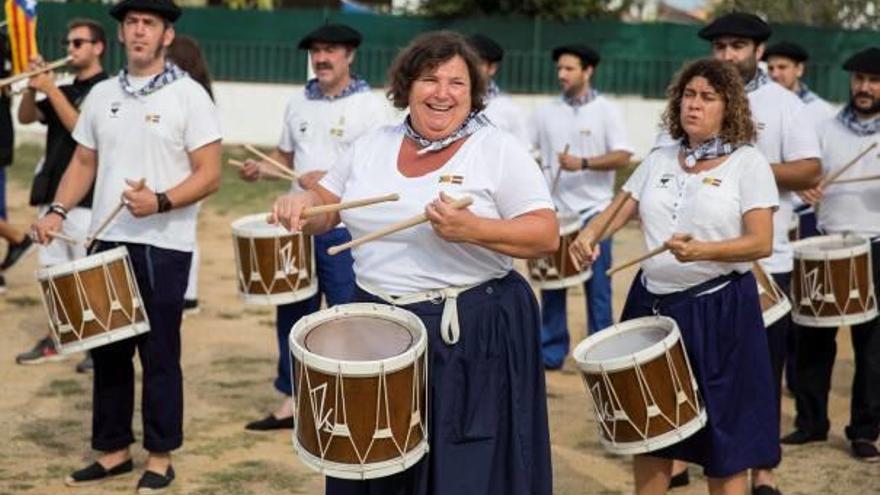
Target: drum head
(359, 338)
(626, 343)
(257, 226)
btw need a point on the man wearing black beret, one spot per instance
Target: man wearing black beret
(582, 140)
(334, 109)
(847, 208)
(500, 108)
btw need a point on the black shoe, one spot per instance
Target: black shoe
(865, 450)
(765, 490)
(16, 252)
(86, 365)
(800, 437)
(152, 482)
(95, 473)
(681, 479)
(270, 422)
(191, 307)
(43, 352)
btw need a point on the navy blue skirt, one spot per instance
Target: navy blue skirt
(723, 332)
(487, 428)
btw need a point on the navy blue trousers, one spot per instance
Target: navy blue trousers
(487, 430)
(723, 333)
(335, 282)
(162, 278)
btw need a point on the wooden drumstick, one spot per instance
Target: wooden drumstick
(116, 211)
(62, 237)
(272, 173)
(558, 171)
(831, 178)
(271, 161)
(621, 198)
(650, 254)
(863, 178)
(397, 227)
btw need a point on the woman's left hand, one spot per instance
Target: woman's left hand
(685, 248)
(451, 224)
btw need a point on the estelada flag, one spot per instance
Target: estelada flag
(21, 16)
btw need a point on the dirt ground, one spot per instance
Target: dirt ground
(229, 357)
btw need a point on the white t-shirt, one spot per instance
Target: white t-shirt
(816, 111)
(318, 131)
(146, 137)
(508, 116)
(708, 205)
(590, 130)
(492, 167)
(782, 137)
(849, 207)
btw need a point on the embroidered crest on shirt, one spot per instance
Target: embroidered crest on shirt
(585, 132)
(303, 127)
(664, 180)
(451, 179)
(152, 118)
(339, 130)
(712, 181)
(114, 109)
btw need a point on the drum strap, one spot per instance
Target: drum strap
(449, 327)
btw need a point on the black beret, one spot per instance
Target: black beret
(332, 33)
(738, 24)
(587, 55)
(486, 48)
(163, 8)
(866, 61)
(788, 50)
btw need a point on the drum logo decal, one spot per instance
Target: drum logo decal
(322, 418)
(814, 287)
(288, 260)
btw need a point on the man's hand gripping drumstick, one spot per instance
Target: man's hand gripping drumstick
(139, 200)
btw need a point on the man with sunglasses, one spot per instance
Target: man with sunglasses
(59, 110)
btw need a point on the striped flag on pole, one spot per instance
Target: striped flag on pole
(21, 16)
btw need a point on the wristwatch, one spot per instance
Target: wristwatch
(164, 202)
(58, 209)
(585, 165)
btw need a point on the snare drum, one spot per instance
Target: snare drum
(833, 282)
(558, 271)
(774, 303)
(92, 301)
(361, 407)
(644, 393)
(273, 266)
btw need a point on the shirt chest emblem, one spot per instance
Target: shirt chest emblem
(452, 179)
(665, 181)
(303, 126)
(115, 107)
(338, 130)
(152, 118)
(712, 181)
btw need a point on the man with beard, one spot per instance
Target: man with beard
(792, 150)
(847, 208)
(582, 140)
(500, 108)
(150, 136)
(320, 123)
(59, 111)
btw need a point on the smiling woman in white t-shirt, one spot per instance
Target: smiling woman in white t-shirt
(488, 409)
(709, 198)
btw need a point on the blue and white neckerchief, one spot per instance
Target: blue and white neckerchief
(473, 123)
(169, 74)
(492, 90)
(708, 150)
(761, 78)
(850, 119)
(357, 85)
(806, 95)
(579, 101)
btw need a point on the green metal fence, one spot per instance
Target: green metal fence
(637, 59)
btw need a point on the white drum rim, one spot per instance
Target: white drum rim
(660, 441)
(808, 249)
(279, 298)
(835, 321)
(777, 311)
(104, 338)
(564, 283)
(364, 471)
(626, 362)
(92, 261)
(359, 368)
(240, 228)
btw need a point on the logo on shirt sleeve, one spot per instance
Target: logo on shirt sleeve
(451, 179)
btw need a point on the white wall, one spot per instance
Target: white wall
(252, 113)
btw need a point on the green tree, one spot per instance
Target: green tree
(563, 10)
(826, 13)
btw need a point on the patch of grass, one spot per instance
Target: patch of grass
(23, 301)
(238, 384)
(229, 315)
(217, 447)
(58, 436)
(251, 478)
(62, 388)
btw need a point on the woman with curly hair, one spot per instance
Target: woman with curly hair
(709, 198)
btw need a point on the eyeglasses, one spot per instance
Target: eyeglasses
(76, 42)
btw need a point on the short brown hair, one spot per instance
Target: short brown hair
(96, 31)
(426, 53)
(737, 126)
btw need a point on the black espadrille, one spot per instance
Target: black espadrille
(95, 473)
(152, 482)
